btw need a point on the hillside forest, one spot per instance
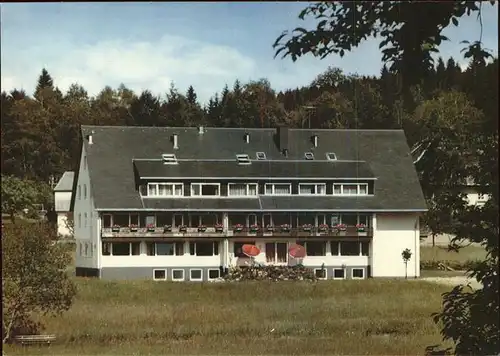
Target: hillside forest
(40, 132)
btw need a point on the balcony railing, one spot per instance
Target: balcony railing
(235, 231)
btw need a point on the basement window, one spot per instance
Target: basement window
(243, 159)
(261, 156)
(309, 155)
(169, 158)
(331, 156)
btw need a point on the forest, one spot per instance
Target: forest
(40, 131)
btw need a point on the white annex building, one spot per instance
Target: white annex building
(178, 204)
(62, 200)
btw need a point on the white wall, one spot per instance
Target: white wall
(62, 224)
(392, 234)
(62, 201)
(86, 234)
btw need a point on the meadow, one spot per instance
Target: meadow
(368, 317)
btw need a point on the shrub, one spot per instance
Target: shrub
(270, 273)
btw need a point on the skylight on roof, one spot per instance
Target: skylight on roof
(309, 155)
(243, 159)
(261, 155)
(331, 156)
(169, 158)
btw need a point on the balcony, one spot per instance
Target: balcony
(234, 231)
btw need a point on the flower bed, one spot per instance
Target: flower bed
(270, 273)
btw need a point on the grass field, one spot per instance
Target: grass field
(440, 253)
(332, 317)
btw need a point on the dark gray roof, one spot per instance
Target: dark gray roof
(203, 204)
(258, 169)
(65, 184)
(386, 153)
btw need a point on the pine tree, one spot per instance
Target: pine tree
(191, 96)
(44, 81)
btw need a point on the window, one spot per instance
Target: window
(85, 191)
(338, 273)
(365, 248)
(204, 248)
(331, 156)
(205, 189)
(79, 192)
(241, 189)
(312, 189)
(79, 220)
(84, 162)
(84, 220)
(350, 189)
(278, 189)
(309, 155)
(213, 274)
(358, 273)
(177, 274)
(243, 159)
(106, 220)
(169, 158)
(165, 189)
(314, 248)
(261, 156)
(120, 249)
(195, 275)
(106, 248)
(320, 273)
(165, 248)
(159, 274)
(349, 219)
(349, 248)
(238, 248)
(80, 245)
(334, 247)
(276, 252)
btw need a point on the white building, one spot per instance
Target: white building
(62, 200)
(178, 203)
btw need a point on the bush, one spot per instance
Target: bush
(270, 273)
(456, 265)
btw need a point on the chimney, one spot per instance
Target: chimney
(282, 135)
(315, 140)
(201, 130)
(176, 145)
(247, 137)
(89, 137)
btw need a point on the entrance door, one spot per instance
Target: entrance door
(277, 252)
(266, 220)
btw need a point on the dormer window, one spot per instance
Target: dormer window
(243, 159)
(169, 158)
(309, 156)
(261, 156)
(331, 156)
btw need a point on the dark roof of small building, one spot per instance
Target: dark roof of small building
(65, 184)
(119, 155)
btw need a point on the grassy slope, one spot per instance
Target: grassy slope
(334, 317)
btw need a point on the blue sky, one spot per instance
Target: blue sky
(149, 45)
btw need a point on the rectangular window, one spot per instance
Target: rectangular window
(349, 219)
(337, 189)
(312, 189)
(205, 189)
(165, 189)
(276, 252)
(278, 189)
(159, 274)
(365, 248)
(241, 189)
(195, 275)
(334, 247)
(338, 273)
(136, 248)
(204, 248)
(349, 248)
(121, 249)
(358, 273)
(363, 189)
(169, 248)
(350, 189)
(238, 246)
(106, 220)
(106, 248)
(177, 274)
(79, 192)
(213, 274)
(320, 273)
(315, 248)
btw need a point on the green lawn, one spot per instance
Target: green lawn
(440, 253)
(377, 317)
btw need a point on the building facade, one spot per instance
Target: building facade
(62, 202)
(178, 204)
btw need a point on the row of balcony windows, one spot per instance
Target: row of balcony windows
(241, 220)
(168, 190)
